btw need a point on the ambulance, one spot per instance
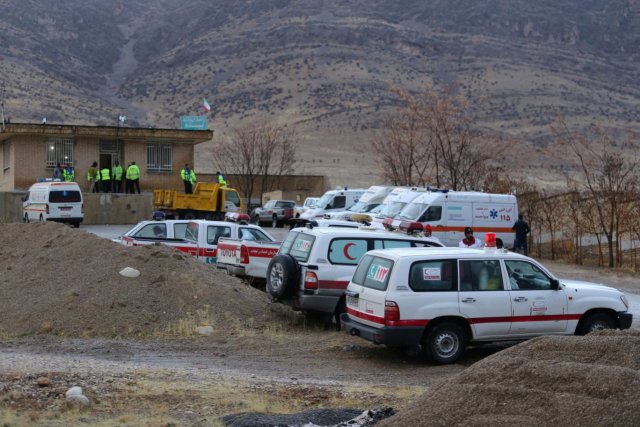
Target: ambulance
(394, 203)
(450, 212)
(368, 201)
(53, 201)
(333, 201)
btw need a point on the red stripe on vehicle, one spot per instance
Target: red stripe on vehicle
(413, 322)
(333, 284)
(365, 316)
(538, 318)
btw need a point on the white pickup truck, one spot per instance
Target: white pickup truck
(246, 256)
(250, 257)
(197, 237)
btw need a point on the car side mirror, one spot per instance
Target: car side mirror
(555, 284)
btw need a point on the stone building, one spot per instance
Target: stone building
(30, 151)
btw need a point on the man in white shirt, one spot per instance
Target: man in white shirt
(469, 241)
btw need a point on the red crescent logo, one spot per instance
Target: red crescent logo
(346, 251)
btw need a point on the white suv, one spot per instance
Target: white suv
(314, 265)
(444, 298)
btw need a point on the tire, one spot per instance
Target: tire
(76, 225)
(444, 343)
(274, 222)
(596, 322)
(282, 274)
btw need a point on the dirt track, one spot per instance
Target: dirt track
(159, 370)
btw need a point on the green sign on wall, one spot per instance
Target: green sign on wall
(194, 123)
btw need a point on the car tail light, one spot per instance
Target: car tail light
(288, 212)
(47, 206)
(310, 280)
(391, 312)
(244, 255)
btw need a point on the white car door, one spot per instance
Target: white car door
(537, 308)
(483, 299)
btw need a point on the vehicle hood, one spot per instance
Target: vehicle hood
(581, 285)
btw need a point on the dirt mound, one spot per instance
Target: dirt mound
(590, 380)
(54, 279)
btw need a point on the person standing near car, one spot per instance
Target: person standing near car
(93, 176)
(105, 179)
(428, 233)
(133, 175)
(522, 229)
(116, 177)
(57, 172)
(469, 240)
(189, 178)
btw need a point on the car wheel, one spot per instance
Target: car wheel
(596, 322)
(26, 218)
(76, 225)
(444, 343)
(282, 275)
(274, 221)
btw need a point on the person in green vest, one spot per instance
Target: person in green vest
(133, 177)
(188, 176)
(93, 176)
(68, 173)
(116, 177)
(221, 179)
(105, 179)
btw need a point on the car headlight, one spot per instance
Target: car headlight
(625, 301)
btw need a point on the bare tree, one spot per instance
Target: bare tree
(435, 137)
(403, 150)
(608, 175)
(259, 156)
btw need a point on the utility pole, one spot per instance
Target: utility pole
(2, 105)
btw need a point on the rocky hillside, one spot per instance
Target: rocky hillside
(325, 66)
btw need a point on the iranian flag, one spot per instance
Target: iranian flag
(206, 105)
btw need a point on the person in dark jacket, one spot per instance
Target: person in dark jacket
(522, 229)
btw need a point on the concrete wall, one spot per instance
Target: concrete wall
(98, 208)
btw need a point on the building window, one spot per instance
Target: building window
(59, 150)
(159, 156)
(6, 155)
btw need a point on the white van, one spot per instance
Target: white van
(334, 200)
(369, 200)
(450, 212)
(395, 202)
(53, 201)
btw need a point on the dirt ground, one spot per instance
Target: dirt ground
(68, 315)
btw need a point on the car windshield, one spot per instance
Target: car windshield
(395, 208)
(380, 209)
(324, 200)
(310, 203)
(358, 207)
(413, 211)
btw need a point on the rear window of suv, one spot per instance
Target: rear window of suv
(373, 272)
(285, 204)
(298, 245)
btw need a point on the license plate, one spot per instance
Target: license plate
(352, 301)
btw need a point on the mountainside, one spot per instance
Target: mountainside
(324, 66)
